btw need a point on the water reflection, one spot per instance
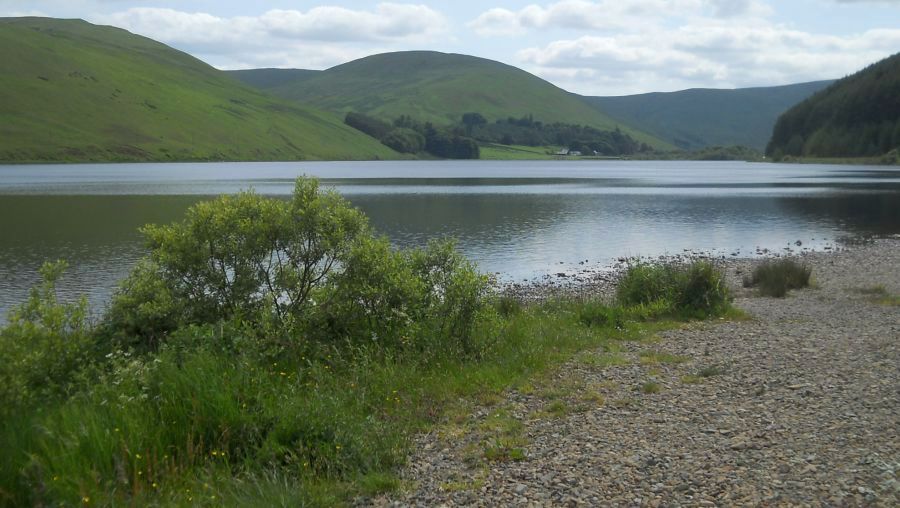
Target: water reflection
(521, 220)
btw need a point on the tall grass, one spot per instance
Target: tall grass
(776, 277)
(694, 290)
(187, 424)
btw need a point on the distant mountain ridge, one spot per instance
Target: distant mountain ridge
(439, 88)
(73, 91)
(857, 116)
(698, 118)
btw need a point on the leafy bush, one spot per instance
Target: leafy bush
(307, 268)
(245, 256)
(697, 289)
(44, 344)
(144, 310)
(776, 277)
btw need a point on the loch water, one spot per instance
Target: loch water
(520, 220)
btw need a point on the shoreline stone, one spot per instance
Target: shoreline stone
(801, 407)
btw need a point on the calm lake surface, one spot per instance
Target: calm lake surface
(521, 219)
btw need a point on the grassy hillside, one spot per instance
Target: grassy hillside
(858, 116)
(73, 91)
(265, 79)
(440, 87)
(699, 118)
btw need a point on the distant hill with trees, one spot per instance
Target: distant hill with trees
(857, 116)
(439, 88)
(700, 118)
(461, 140)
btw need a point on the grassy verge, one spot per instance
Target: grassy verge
(195, 426)
(516, 152)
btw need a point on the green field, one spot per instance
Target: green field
(439, 88)
(270, 78)
(517, 152)
(73, 91)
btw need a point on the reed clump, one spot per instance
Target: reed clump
(694, 290)
(776, 277)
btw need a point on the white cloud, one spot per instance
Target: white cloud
(389, 21)
(319, 37)
(712, 53)
(609, 14)
(22, 14)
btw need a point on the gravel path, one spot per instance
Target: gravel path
(798, 405)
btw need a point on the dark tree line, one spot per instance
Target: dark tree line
(858, 116)
(406, 135)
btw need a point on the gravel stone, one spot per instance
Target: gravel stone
(805, 410)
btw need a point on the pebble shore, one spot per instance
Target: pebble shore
(799, 405)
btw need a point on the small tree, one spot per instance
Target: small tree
(472, 120)
(308, 268)
(243, 256)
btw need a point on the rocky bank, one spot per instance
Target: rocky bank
(798, 405)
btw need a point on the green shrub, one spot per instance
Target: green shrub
(696, 290)
(44, 345)
(701, 290)
(776, 277)
(455, 301)
(647, 283)
(144, 310)
(308, 269)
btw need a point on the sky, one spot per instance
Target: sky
(591, 47)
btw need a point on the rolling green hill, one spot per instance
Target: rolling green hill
(858, 116)
(440, 87)
(699, 118)
(265, 79)
(73, 91)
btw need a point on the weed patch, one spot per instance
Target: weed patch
(710, 371)
(660, 357)
(695, 290)
(603, 360)
(651, 387)
(776, 277)
(880, 295)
